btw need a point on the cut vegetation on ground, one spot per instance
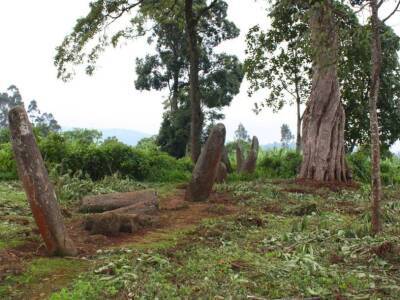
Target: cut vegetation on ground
(252, 239)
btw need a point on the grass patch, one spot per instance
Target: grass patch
(42, 275)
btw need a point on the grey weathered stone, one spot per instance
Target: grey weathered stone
(107, 202)
(239, 157)
(249, 165)
(120, 212)
(222, 173)
(205, 171)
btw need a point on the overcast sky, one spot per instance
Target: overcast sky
(30, 31)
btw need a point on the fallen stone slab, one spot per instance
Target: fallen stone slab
(120, 212)
(109, 202)
(112, 223)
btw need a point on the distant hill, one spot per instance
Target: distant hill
(127, 136)
(277, 145)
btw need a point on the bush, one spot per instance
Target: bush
(360, 163)
(99, 160)
(279, 163)
(8, 169)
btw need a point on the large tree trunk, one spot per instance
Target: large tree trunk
(376, 60)
(196, 122)
(323, 121)
(298, 110)
(298, 138)
(175, 93)
(38, 188)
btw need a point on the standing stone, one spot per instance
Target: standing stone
(226, 161)
(239, 157)
(38, 188)
(222, 173)
(249, 165)
(207, 165)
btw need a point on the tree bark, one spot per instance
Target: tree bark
(298, 102)
(324, 117)
(38, 188)
(376, 60)
(175, 93)
(196, 121)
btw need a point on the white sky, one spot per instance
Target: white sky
(30, 31)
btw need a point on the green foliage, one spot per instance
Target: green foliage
(38, 270)
(355, 89)
(279, 60)
(15, 216)
(83, 136)
(286, 136)
(8, 100)
(4, 135)
(8, 168)
(220, 74)
(269, 254)
(81, 154)
(43, 123)
(360, 163)
(71, 188)
(241, 134)
(280, 163)
(174, 132)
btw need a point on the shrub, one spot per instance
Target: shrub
(279, 163)
(360, 163)
(95, 160)
(8, 169)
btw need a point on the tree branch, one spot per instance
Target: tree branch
(124, 10)
(205, 10)
(392, 13)
(361, 8)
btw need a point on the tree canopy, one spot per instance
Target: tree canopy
(271, 63)
(43, 122)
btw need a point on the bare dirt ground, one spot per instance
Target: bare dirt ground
(174, 214)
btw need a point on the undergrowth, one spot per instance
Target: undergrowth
(280, 245)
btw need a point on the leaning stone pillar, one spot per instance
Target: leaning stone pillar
(38, 188)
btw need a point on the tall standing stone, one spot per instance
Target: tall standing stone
(239, 157)
(205, 171)
(38, 188)
(249, 165)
